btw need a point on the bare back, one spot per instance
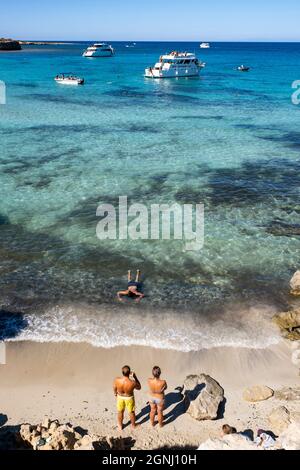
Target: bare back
(124, 386)
(157, 387)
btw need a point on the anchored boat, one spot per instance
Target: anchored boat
(67, 79)
(175, 65)
(100, 49)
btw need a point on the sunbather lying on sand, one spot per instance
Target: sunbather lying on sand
(132, 288)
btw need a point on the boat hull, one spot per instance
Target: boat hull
(70, 82)
(98, 54)
(151, 73)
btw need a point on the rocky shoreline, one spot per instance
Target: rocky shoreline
(15, 45)
(246, 390)
(283, 424)
(52, 435)
(44, 43)
(289, 322)
(9, 45)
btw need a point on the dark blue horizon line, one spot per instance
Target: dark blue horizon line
(158, 41)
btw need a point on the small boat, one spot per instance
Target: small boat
(100, 49)
(243, 68)
(67, 79)
(131, 45)
(204, 45)
(175, 65)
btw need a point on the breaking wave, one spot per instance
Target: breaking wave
(238, 326)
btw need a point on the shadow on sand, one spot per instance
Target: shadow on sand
(174, 399)
(175, 406)
(11, 324)
(8, 435)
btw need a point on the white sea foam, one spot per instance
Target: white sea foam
(105, 327)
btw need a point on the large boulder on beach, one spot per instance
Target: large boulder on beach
(290, 438)
(279, 419)
(289, 324)
(257, 393)
(295, 284)
(203, 396)
(229, 442)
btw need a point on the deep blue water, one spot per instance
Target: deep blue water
(229, 140)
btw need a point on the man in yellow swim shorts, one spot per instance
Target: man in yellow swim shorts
(124, 391)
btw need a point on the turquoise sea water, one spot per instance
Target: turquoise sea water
(229, 140)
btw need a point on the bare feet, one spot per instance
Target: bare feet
(134, 426)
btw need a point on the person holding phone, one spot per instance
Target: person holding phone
(124, 391)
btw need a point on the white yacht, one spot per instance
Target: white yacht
(205, 45)
(67, 79)
(176, 64)
(100, 49)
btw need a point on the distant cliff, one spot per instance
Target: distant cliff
(9, 45)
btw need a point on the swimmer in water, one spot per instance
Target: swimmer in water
(133, 288)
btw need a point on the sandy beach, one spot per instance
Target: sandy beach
(73, 383)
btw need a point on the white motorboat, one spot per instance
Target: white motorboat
(100, 49)
(67, 79)
(205, 45)
(175, 65)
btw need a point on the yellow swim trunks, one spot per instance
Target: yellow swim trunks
(125, 402)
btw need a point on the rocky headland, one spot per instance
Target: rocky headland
(9, 45)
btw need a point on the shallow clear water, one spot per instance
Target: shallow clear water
(227, 139)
